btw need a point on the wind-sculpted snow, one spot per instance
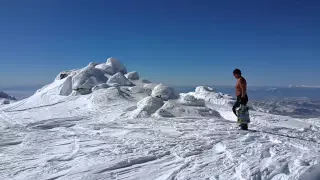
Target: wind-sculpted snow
(150, 85)
(133, 75)
(87, 78)
(209, 95)
(112, 66)
(191, 100)
(150, 104)
(204, 89)
(139, 89)
(65, 74)
(100, 86)
(147, 131)
(173, 108)
(164, 92)
(146, 107)
(94, 77)
(103, 97)
(119, 79)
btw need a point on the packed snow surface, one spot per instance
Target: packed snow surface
(147, 131)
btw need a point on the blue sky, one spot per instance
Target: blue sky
(176, 42)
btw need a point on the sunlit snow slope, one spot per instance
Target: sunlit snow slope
(101, 122)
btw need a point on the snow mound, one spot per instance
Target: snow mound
(164, 92)
(209, 95)
(173, 108)
(66, 87)
(119, 79)
(140, 82)
(133, 75)
(139, 89)
(90, 78)
(94, 77)
(65, 74)
(150, 86)
(61, 87)
(150, 104)
(85, 79)
(190, 100)
(146, 107)
(112, 66)
(100, 86)
(204, 89)
(103, 97)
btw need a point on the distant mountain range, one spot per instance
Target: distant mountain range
(5, 98)
(303, 86)
(301, 108)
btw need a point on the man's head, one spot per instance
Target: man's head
(237, 73)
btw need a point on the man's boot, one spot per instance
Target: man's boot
(244, 126)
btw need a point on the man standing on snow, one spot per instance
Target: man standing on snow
(241, 93)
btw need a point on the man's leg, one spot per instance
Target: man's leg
(244, 126)
(236, 104)
(245, 100)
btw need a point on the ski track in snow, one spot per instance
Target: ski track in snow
(88, 147)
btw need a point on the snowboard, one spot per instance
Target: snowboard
(243, 118)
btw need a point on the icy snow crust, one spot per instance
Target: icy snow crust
(147, 131)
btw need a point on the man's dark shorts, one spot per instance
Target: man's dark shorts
(239, 101)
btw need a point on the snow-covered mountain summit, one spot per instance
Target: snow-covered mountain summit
(103, 122)
(101, 84)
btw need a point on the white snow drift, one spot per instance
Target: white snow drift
(193, 108)
(146, 107)
(164, 92)
(87, 78)
(119, 79)
(81, 127)
(112, 66)
(133, 75)
(209, 95)
(93, 77)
